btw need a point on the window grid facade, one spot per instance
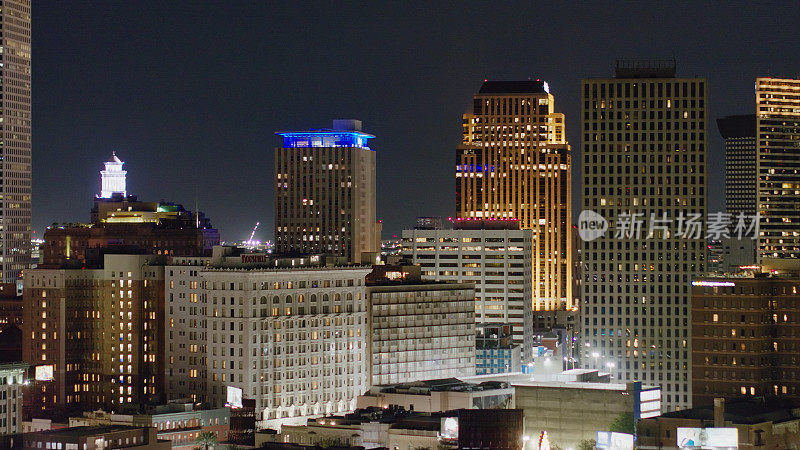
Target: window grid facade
(497, 262)
(514, 163)
(644, 147)
(421, 332)
(15, 181)
(778, 113)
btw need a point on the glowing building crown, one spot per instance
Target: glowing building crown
(112, 178)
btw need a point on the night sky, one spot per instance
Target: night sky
(190, 93)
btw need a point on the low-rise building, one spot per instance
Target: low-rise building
(90, 438)
(573, 405)
(495, 351)
(180, 424)
(440, 395)
(12, 382)
(572, 411)
(398, 428)
(419, 330)
(394, 428)
(758, 424)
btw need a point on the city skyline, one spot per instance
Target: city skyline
(593, 212)
(154, 100)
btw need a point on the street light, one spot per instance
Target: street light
(595, 355)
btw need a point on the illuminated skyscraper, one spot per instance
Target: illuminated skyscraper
(644, 152)
(112, 178)
(325, 192)
(15, 148)
(514, 164)
(778, 127)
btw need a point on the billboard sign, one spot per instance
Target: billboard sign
(234, 397)
(449, 429)
(44, 373)
(609, 440)
(708, 438)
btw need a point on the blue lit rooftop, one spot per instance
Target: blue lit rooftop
(345, 133)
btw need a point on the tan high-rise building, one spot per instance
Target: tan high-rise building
(644, 157)
(514, 164)
(325, 192)
(778, 144)
(95, 335)
(15, 124)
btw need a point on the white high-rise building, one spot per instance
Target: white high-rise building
(420, 330)
(112, 178)
(498, 262)
(644, 154)
(289, 333)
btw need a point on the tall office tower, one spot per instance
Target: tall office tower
(644, 153)
(741, 179)
(778, 114)
(325, 192)
(739, 133)
(514, 163)
(15, 151)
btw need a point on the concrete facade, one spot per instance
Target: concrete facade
(644, 139)
(421, 331)
(497, 262)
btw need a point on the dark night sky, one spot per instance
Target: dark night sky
(189, 93)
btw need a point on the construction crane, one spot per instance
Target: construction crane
(254, 232)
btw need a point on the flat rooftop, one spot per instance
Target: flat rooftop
(527, 380)
(739, 412)
(514, 87)
(86, 431)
